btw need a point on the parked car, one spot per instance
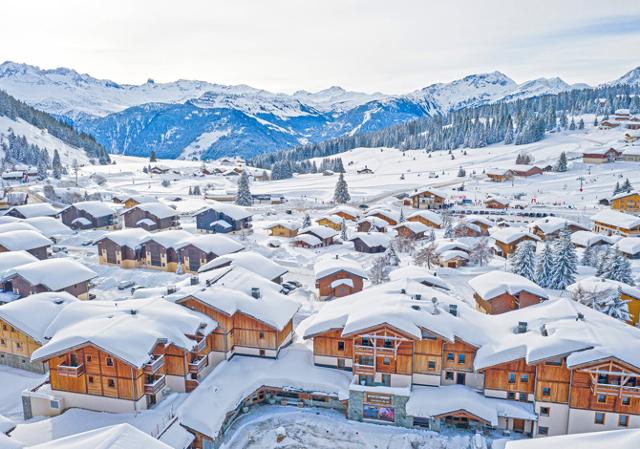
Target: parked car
(123, 285)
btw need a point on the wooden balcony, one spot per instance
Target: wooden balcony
(363, 350)
(198, 365)
(383, 350)
(154, 365)
(615, 390)
(365, 370)
(70, 371)
(201, 344)
(156, 386)
(371, 350)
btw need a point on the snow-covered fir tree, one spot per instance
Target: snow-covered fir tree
(523, 260)
(561, 165)
(626, 186)
(544, 266)
(244, 197)
(401, 219)
(341, 194)
(588, 256)
(343, 231)
(152, 156)
(616, 189)
(306, 221)
(391, 256)
(614, 306)
(379, 272)
(565, 263)
(56, 165)
(617, 268)
(461, 172)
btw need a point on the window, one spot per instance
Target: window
(461, 379)
(448, 375)
(386, 380)
(386, 361)
(18, 345)
(109, 361)
(3, 342)
(90, 379)
(461, 359)
(54, 404)
(626, 400)
(262, 353)
(511, 395)
(544, 411)
(88, 359)
(111, 383)
(387, 343)
(261, 335)
(602, 398)
(450, 356)
(512, 378)
(599, 418)
(623, 420)
(366, 341)
(546, 391)
(431, 364)
(524, 378)
(341, 363)
(543, 430)
(341, 345)
(603, 379)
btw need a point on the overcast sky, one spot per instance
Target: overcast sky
(392, 46)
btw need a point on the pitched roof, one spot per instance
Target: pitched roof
(372, 239)
(418, 274)
(250, 260)
(23, 240)
(617, 219)
(55, 274)
(495, 283)
(158, 210)
(628, 245)
(618, 439)
(328, 266)
(212, 243)
(230, 210)
(322, 232)
(511, 234)
(96, 209)
(588, 238)
(130, 237)
(12, 259)
(549, 225)
(35, 210)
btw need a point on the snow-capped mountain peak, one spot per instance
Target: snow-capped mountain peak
(631, 77)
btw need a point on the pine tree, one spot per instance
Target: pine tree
(603, 262)
(508, 132)
(401, 219)
(56, 165)
(341, 194)
(391, 257)
(587, 256)
(461, 173)
(581, 124)
(523, 260)
(42, 169)
(616, 189)
(572, 126)
(565, 263)
(378, 272)
(613, 305)
(306, 221)
(618, 268)
(561, 165)
(152, 156)
(343, 231)
(544, 266)
(244, 197)
(626, 186)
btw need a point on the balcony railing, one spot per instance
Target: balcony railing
(70, 371)
(363, 349)
(156, 386)
(198, 365)
(367, 370)
(154, 365)
(615, 390)
(369, 350)
(201, 344)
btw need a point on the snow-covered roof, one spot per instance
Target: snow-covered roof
(287, 224)
(442, 245)
(23, 240)
(230, 210)
(96, 209)
(588, 238)
(130, 237)
(168, 239)
(594, 284)
(375, 221)
(233, 380)
(495, 283)
(273, 309)
(322, 232)
(119, 436)
(82, 221)
(618, 439)
(396, 304)
(18, 225)
(55, 274)
(522, 167)
(615, 218)
(250, 260)
(137, 198)
(598, 151)
(158, 210)
(549, 225)
(35, 210)
(335, 219)
(498, 199)
(33, 314)
(435, 192)
(624, 194)
(428, 402)
(431, 216)
(414, 226)
(309, 239)
(419, 274)
(373, 239)
(478, 220)
(354, 212)
(237, 278)
(12, 259)
(212, 243)
(628, 245)
(497, 171)
(328, 266)
(222, 223)
(49, 226)
(392, 214)
(128, 330)
(6, 426)
(511, 234)
(453, 254)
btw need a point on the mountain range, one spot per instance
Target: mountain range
(196, 119)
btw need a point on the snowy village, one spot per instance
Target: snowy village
(192, 265)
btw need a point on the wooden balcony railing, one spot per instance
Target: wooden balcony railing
(156, 386)
(365, 370)
(363, 350)
(154, 365)
(615, 390)
(198, 365)
(201, 344)
(70, 371)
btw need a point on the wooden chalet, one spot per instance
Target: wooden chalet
(428, 199)
(391, 217)
(331, 221)
(549, 228)
(159, 251)
(525, 171)
(122, 248)
(51, 275)
(499, 174)
(322, 233)
(32, 210)
(413, 230)
(600, 155)
(284, 229)
(376, 242)
(346, 212)
(151, 217)
(196, 251)
(494, 202)
(25, 240)
(89, 215)
(129, 201)
(611, 222)
(223, 218)
(427, 218)
(498, 292)
(626, 202)
(372, 224)
(338, 277)
(507, 239)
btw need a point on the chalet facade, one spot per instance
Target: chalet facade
(346, 212)
(498, 292)
(507, 239)
(372, 224)
(611, 222)
(122, 248)
(413, 230)
(600, 155)
(223, 218)
(196, 251)
(428, 199)
(89, 215)
(331, 221)
(159, 251)
(371, 243)
(499, 174)
(525, 171)
(33, 210)
(626, 202)
(151, 217)
(338, 277)
(495, 202)
(284, 229)
(549, 228)
(391, 217)
(427, 218)
(322, 233)
(25, 240)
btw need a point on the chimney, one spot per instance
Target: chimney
(453, 309)
(255, 292)
(417, 297)
(522, 327)
(195, 280)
